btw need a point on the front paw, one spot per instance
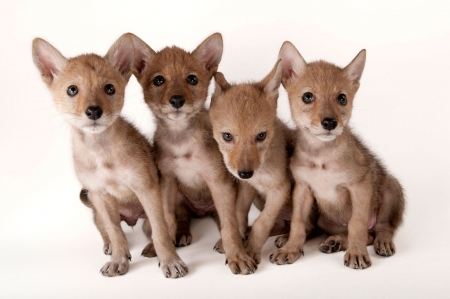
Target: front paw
(219, 247)
(256, 256)
(174, 269)
(285, 255)
(241, 264)
(384, 247)
(115, 267)
(357, 258)
(281, 240)
(149, 250)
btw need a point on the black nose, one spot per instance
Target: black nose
(177, 101)
(94, 112)
(245, 174)
(329, 124)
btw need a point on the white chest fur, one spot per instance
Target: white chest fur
(188, 162)
(323, 175)
(99, 169)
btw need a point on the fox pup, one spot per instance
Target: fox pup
(253, 143)
(359, 202)
(194, 179)
(112, 159)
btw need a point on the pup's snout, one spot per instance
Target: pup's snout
(329, 123)
(245, 174)
(94, 112)
(177, 101)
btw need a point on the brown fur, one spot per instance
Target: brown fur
(355, 194)
(244, 111)
(112, 159)
(193, 177)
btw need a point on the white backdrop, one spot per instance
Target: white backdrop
(49, 246)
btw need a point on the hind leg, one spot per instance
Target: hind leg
(84, 197)
(338, 240)
(183, 216)
(390, 216)
(149, 250)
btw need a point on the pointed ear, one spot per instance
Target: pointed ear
(121, 56)
(142, 55)
(48, 60)
(272, 81)
(293, 63)
(355, 68)
(221, 84)
(209, 52)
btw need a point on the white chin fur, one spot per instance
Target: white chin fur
(326, 137)
(177, 115)
(94, 128)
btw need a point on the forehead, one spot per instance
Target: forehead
(243, 105)
(172, 60)
(90, 67)
(324, 77)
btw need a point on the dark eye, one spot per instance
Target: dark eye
(109, 89)
(191, 79)
(158, 81)
(261, 136)
(227, 136)
(72, 90)
(308, 97)
(342, 99)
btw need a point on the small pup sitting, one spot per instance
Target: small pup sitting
(253, 142)
(112, 159)
(359, 202)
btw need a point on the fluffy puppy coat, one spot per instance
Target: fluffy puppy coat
(253, 142)
(112, 159)
(357, 198)
(194, 179)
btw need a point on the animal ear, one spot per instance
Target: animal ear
(121, 56)
(355, 68)
(272, 81)
(221, 84)
(48, 60)
(209, 52)
(292, 62)
(142, 55)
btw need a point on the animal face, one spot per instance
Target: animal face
(320, 93)
(88, 90)
(175, 82)
(243, 118)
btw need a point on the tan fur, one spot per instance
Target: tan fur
(112, 159)
(193, 175)
(244, 111)
(355, 195)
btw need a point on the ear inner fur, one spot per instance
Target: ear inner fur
(209, 52)
(143, 54)
(48, 59)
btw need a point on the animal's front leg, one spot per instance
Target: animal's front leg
(169, 191)
(356, 255)
(275, 199)
(149, 196)
(224, 196)
(302, 204)
(108, 213)
(245, 196)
